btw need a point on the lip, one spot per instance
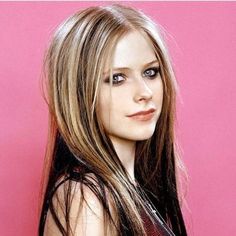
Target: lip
(143, 115)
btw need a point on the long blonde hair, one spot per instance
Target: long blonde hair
(74, 64)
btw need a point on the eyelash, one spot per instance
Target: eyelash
(155, 69)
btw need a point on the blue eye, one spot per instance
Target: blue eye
(116, 79)
(152, 72)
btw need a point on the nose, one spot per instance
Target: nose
(143, 91)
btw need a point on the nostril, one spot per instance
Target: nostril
(144, 96)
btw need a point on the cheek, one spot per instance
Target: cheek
(157, 89)
(114, 101)
(111, 109)
(102, 107)
(160, 94)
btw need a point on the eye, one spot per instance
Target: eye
(116, 79)
(152, 72)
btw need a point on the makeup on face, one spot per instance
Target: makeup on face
(143, 115)
(130, 105)
(120, 74)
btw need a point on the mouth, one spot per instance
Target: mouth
(143, 115)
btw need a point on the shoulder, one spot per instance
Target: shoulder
(82, 208)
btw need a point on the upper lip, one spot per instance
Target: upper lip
(142, 112)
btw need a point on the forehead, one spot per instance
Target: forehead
(134, 49)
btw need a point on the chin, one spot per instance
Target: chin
(143, 135)
(135, 134)
(142, 138)
(146, 133)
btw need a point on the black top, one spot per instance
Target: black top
(160, 228)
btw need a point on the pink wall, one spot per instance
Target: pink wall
(202, 40)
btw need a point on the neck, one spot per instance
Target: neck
(125, 150)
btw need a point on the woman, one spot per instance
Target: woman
(111, 162)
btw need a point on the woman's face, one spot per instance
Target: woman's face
(137, 87)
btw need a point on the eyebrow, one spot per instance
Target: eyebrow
(127, 68)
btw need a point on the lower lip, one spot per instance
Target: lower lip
(146, 117)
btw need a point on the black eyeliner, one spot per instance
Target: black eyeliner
(107, 79)
(156, 69)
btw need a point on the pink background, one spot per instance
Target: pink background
(202, 41)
